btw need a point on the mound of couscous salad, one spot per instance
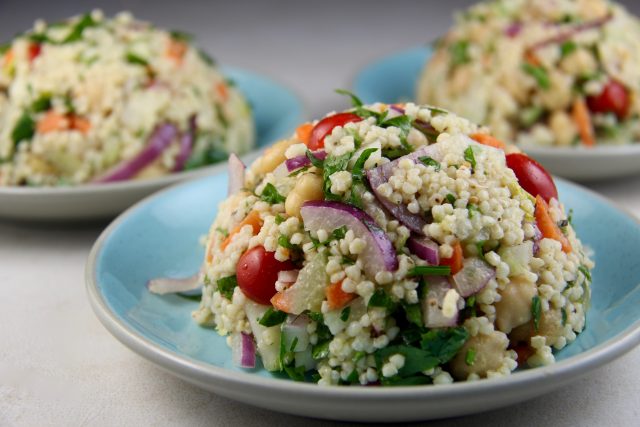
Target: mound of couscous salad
(393, 245)
(93, 99)
(541, 72)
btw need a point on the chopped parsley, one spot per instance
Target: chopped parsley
(134, 59)
(314, 160)
(585, 271)
(539, 74)
(24, 129)
(381, 299)
(529, 116)
(222, 231)
(536, 310)
(76, 32)
(344, 314)
(444, 343)
(339, 233)
(416, 359)
(272, 317)
(437, 111)
(473, 210)
(564, 316)
(41, 104)
(357, 176)
(429, 270)
(567, 48)
(226, 285)
(279, 219)
(428, 161)
(459, 52)
(470, 157)
(333, 164)
(321, 350)
(299, 171)
(470, 357)
(413, 313)
(285, 243)
(270, 195)
(451, 198)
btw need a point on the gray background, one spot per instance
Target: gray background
(312, 48)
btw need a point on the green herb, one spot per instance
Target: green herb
(272, 317)
(585, 271)
(358, 355)
(314, 160)
(295, 373)
(208, 59)
(41, 104)
(564, 316)
(189, 297)
(320, 351)
(68, 104)
(473, 210)
(470, 157)
(459, 52)
(39, 38)
(567, 48)
(339, 233)
(480, 248)
(415, 360)
(413, 313)
(5, 48)
(226, 285)
(76, 32)
(471, 301)
(429, 270)
(539, 74)
(394, 153)
(299, 171)
(222, 231)
(285, 243)
(529, 116)
(134, 59)
(570, 217)
(451, 198)
(344, 314)
(437, 111)
(270, 195)
(403, 123)
(333, 164)
(353, 377)
(360, 110)
(355, 101)
(347, 261)
(181, 36)
(443, 344)
(470, 357)
(24, 129)
(357, 176)
(381, 299)
(279, 219)
(428, 161)
(536, 309)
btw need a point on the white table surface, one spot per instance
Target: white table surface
(59, 366)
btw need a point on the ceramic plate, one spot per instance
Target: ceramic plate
(394, 78)
(277, 111)
(159, 238)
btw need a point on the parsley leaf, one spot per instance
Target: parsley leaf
(567, 48)
(451, 198)
(459, 52)
(470, 157)
(272, 317)
(333, 164)
(24, 129)
(134, 59)
(339, 233)
(76, 32)
(470, 357)
(279, 219)
(344, 314)
(536, 309)
(226, 285)
(539, 74)
(41, 104)
(428, 161)
(381, 299)
(314, 160)
(415, 360)
(585, 271)
(413, 313)
(355, 101)
(443, 344)
(270, 195)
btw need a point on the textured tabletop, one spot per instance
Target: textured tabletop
(59, 366)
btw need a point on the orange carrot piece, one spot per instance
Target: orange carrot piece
(52, 122)
(582, 119)
(303, 133)
(223, 91)
(8, 58)
(176, 50)
(548, 228)
(531, 58)
(281, 302)
(253, 219)
(336, 297)
(486, 139)
(81, 124)
(455, 262)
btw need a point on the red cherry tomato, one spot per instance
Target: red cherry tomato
(34, 51)
(257, 272)
(532, 176)
(614, 98)
(326, 125)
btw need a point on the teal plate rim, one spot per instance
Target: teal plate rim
(402, 403)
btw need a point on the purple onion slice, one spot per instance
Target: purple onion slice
(424, 248)
(302, 160)
(473, 277)
(236, 174)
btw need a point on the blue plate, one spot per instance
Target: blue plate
(276, 112)
(159, 238)
(393, 78)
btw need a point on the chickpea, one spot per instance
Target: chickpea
(489, 352)
(308, 187)
(272, 157)
(550, 326)
(514, 307)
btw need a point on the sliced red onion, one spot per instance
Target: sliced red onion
(537, 236)
(427, 129)
(160, 139)
(288, 276)
(424, 248)
(243, 350)
(326, 215)
(165, 285)
(381, 174)
(513, 29)
(573, 30)
(186, 145)
(236, 174)
(432, 304)
(301, 161)
(397, 109)
(473, 277)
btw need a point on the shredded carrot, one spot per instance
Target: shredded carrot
(486, 139)
(52, 122)
(81, 124)
(8, 57)
(455, 262)
(582, 118)
(281, 302)
(531, 58)
(548, 228)
(176, 50)
(223, 91)
(253, 219)
(303, 133)
(336, 297)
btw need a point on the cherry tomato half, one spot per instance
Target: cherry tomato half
(614, 98)
(532, 176)
(34, 51)
(326, 125)
(257, 272)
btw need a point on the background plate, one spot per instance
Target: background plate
(277, 112)
(159, 238)
(394, 78)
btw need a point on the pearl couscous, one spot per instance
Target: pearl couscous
(538, 72)
(97, 100)
(385, 245)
